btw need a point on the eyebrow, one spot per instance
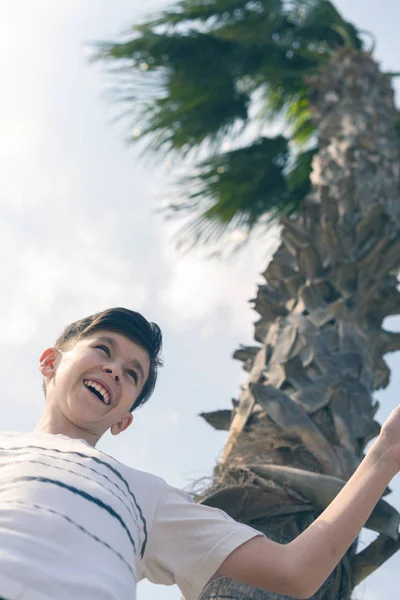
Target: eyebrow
(114, 346)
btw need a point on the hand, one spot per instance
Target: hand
(388, 442)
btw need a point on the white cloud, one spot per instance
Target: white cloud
(199, 289)
(362, 592)
(60, 247)
(76, 273)
(174, 417)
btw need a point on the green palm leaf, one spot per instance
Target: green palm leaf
(237, 189)
(204, 73)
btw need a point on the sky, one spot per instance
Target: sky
(79, 233)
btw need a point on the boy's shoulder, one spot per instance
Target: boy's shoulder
(146, 487)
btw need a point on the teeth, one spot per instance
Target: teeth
(100, 389)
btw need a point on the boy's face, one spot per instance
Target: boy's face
(118, 366)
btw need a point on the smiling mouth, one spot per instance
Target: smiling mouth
(96, 393)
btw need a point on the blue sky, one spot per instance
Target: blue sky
(78, 234)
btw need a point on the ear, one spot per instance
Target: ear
(121, 425)
(47, 362)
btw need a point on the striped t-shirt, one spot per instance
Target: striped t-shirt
(76, 524)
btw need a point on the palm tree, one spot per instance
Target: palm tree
(208, 81)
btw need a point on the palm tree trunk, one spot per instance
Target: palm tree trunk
(306, 413)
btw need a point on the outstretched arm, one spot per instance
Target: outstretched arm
(298, 569)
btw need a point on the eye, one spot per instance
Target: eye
(105, 349)
(133, 375)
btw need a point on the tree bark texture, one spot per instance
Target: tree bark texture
(306, 413)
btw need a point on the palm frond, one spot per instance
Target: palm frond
(217, 11)
(197, 98)
(299, 118)
(239, 189)
(320, 21)
(190, 79)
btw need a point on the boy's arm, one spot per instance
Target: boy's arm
(299, 568)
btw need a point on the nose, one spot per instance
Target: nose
(110, 372)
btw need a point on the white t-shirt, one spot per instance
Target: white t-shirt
(77, 524)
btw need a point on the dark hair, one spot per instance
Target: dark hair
(129, 323)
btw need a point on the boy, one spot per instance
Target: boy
(75, 523)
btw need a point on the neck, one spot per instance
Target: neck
(54, 423)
